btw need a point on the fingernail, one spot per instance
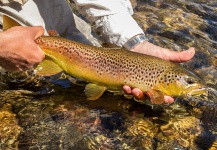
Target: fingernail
(137, 94)
(191, 51)
(166, 100)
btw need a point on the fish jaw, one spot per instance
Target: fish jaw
(197, 89)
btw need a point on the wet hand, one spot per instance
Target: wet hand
(18, 51)
(166, 54)
(138, 94)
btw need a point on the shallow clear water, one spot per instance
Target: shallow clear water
(52, 112)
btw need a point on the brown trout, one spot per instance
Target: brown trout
(112, 68)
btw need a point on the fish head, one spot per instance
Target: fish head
(179, 82)
(190, 85)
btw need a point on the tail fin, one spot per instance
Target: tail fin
(9, 22)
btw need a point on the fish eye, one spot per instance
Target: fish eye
(190, 80)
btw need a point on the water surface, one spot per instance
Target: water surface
(52, 112)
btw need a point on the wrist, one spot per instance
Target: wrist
(134, 41)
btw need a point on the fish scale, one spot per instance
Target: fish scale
(107, 62)
(113, 68)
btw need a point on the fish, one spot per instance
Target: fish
(111, 68)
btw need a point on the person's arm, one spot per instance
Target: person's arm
(18, 51)
(113, 20)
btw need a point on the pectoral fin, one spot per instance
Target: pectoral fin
(93, 91)
(47, 67)
(156, 97)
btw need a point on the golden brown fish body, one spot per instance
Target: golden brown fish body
(113, 68)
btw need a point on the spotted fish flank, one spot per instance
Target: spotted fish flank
(113, 68)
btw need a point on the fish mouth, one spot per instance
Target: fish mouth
(198, 91)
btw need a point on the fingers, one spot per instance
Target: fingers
(138, 94)
(182, 56)
(168, 99)
(163, 53)
(39, 31)
(35, 31)
(37, 56)
(127, 89)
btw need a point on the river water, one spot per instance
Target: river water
(52, 112)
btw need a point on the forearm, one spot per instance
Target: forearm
(111, 18)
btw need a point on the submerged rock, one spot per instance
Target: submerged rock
(52, 113)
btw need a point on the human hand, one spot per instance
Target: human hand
(18, 51)
(153, 50)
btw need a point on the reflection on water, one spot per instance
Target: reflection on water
(52, 113)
